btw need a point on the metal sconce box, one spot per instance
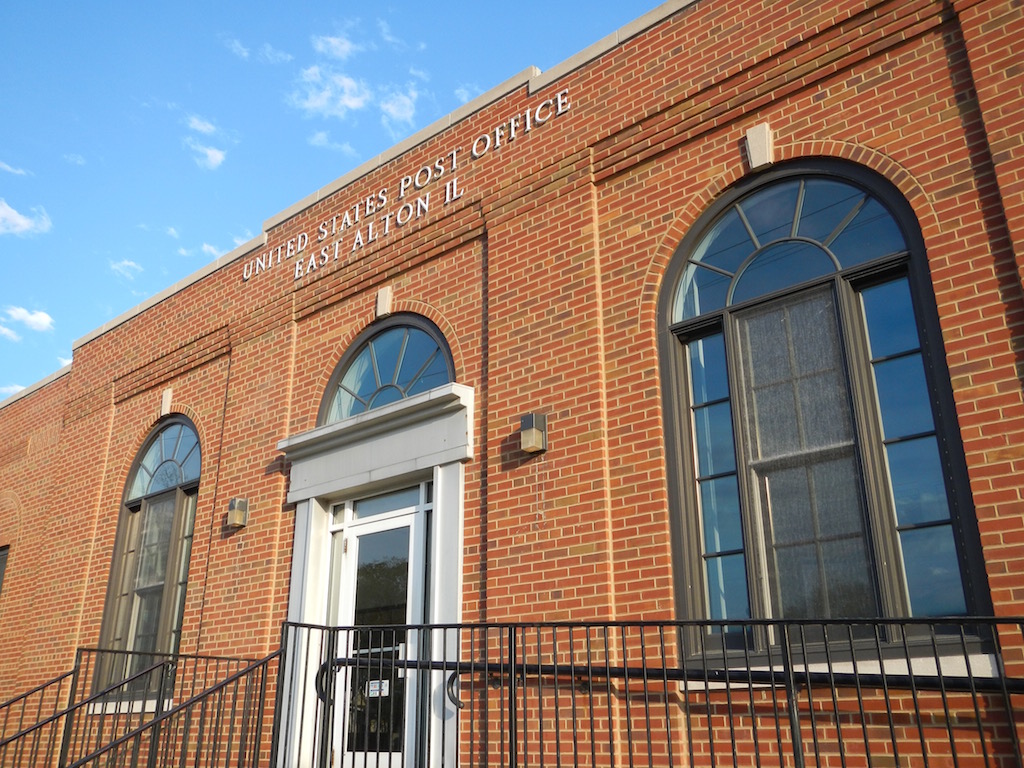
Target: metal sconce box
(238, 513)
(533, 432)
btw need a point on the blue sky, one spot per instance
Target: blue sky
(140, 141)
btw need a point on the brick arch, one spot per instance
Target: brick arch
(434, 315)
(11, 530)
(873, 159)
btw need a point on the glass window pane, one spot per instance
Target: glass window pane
(793, 343)
(387, 348)
(918, 488)
(780, 266)
(849, 578)
(701, 290)
(903, 397)
(418, 349)
(837, 498)
(791, 519)
(434, 375)
(826, 204)
(932, 569)
(167, 475)
(382, 578)
(872, 234)
(158, 519)
(168, 442)
(190, 467)
(889, 314)
(708, 379)
(386, 502)
(800, 590)
(360, 378)
(720, 514)
(713, 436)
(727, 245)
(727, 587)
(770, 212)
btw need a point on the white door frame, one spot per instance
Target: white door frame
(427, 436)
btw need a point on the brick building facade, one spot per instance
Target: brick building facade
(563, 245)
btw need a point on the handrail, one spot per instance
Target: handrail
(174, 711)
(11, 702)
(106, 692)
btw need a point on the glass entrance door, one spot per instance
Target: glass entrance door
(379, 589)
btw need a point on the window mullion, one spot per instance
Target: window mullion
(884, 542)
(753, 527)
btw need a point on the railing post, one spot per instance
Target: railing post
(791, 701)
(513, 718)
(330, 696)
(66, 738)
(161, 695)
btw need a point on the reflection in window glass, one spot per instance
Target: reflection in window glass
(397, 363)
(798, 230)
(814, 449)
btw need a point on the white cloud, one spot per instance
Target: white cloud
(327, 93)
(74, 159)
(184, 252)
(334, 46)
(13, 389)
(387, 36)
(323, 139)
(467, 92)
(398, 110)
(172, 232)
(16, 171)
(7, 333)
(211, 250)
(236, 47)
(243, 238)
(63, 361)
(271, 55)
(419, 74)
(14, 223)
(206, 157)
(198, 124)
(126, 268)
(36, 321)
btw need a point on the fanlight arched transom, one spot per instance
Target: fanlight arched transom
(780, 236)
(396, 363)
(172, 459)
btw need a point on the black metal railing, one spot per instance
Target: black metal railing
(107, 694)
(946, 692)
(756, 693)
(226, 724)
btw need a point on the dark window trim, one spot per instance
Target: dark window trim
(112, 635)
(688, 573)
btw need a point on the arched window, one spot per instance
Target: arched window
(819, 470)
(146, 595)
(398, 358)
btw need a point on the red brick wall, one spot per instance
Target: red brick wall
(544, 278)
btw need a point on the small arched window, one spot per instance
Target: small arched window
(401, 357)
(819, 470)
(149, 573)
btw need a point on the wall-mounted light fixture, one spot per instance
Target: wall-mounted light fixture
(238, 513)
(533, 432)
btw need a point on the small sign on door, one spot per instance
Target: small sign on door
(378, 689)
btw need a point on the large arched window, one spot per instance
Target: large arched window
(146, 595)
(402, 356)
(818, 469)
